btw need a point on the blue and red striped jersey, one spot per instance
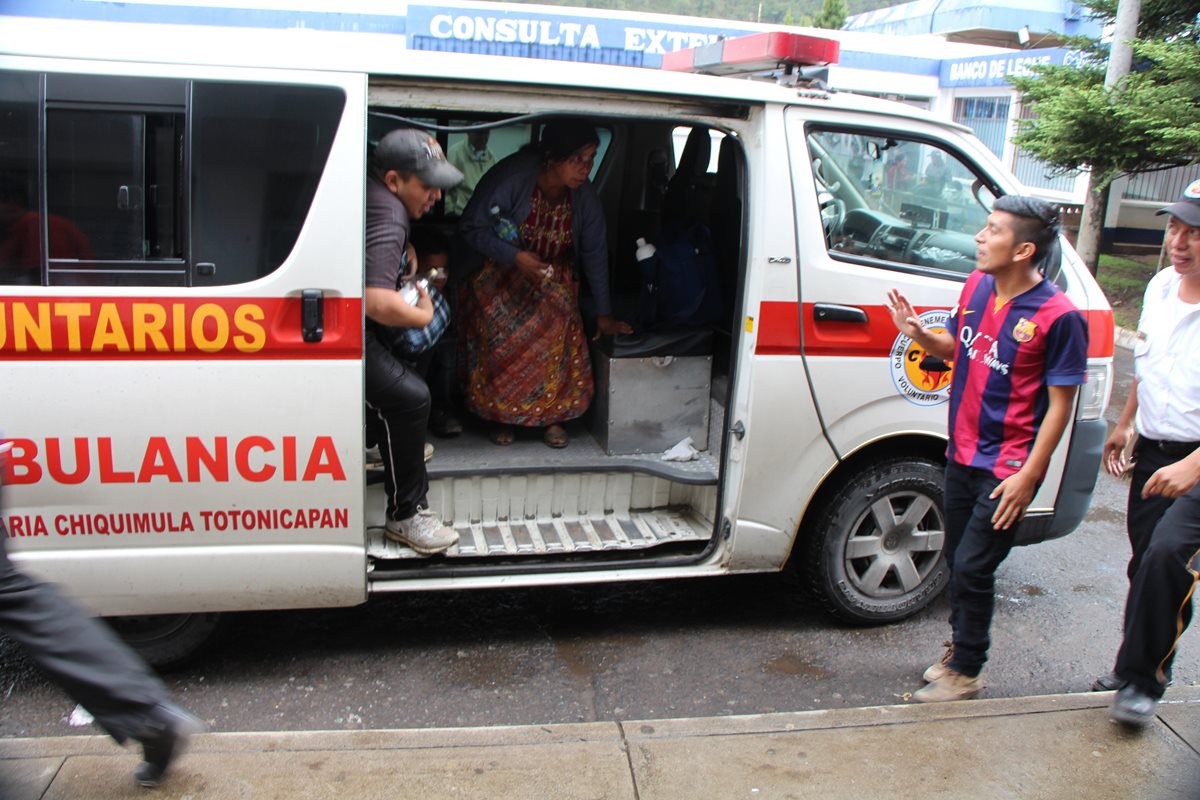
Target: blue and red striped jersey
(1004, 359)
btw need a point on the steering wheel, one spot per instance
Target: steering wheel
(833, 208)
(833, 212)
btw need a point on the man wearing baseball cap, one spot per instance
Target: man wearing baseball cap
(1163, 517)
(406, 178)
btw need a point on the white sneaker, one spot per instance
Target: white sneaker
(428, 451)
(423, 532)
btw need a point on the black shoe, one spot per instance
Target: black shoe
(1107, 683)
(166, 737)
(1132, 707)
(1111, 682)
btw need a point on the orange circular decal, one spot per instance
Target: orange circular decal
(921, 378)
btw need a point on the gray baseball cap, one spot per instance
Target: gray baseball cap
(1187, 209)
(415, 152)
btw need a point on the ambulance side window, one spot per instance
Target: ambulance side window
(905, 201)
(20, 240)
(259, 151)
(153, 181)
(113, 188)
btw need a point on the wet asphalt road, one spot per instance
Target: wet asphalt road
(665, 649)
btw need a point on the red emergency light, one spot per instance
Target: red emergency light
(756, 52)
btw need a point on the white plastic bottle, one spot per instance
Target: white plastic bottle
(408, 290)
(645, 250)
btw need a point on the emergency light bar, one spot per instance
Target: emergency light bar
(756, 52)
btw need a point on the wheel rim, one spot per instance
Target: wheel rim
(894, 544)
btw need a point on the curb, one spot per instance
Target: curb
(603, 731)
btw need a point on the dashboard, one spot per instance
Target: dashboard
(918, 237)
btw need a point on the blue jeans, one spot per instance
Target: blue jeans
(974, 549)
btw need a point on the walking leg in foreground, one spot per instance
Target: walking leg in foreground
(99, 671)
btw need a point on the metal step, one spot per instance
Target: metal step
(557, 536)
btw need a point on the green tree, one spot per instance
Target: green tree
(832, 15)
(1149, 121)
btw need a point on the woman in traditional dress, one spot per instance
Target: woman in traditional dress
(533, 223)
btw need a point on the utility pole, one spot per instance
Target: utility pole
(1120, 57)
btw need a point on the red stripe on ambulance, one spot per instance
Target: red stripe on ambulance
(779, 326)
(96, 328)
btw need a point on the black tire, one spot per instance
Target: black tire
(874, 553)
(168, 641)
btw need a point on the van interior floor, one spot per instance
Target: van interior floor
(528, 499)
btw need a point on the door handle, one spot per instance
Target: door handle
(312, 315)
(832, 312)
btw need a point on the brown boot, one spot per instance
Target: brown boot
(940, 668)
(951, 686)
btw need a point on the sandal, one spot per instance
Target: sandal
(555, 436)
(502, 435)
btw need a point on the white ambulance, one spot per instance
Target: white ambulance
(181, 329)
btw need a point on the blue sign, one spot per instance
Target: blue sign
(996, 70)
(483, 29)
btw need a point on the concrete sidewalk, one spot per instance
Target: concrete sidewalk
(1060, 746)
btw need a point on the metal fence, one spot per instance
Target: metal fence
(987, 116)
(1165, 186)
(1036, 174)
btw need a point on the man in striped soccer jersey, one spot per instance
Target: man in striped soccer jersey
(1019, 348)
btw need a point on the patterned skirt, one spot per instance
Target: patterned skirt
(523, 347)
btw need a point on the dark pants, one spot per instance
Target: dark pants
(397, 412)
(441, 373)
(1143, 514)
(974, 549)
(1163, 576)
(79, 653)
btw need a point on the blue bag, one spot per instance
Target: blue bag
(679, 282)
(415, 341)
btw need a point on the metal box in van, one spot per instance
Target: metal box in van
(652, 391)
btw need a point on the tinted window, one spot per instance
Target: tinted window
(112, 186)
(113, 157)
(259, 152)
(20, 222)
(137, 193)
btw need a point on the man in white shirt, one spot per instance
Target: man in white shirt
(1163, 516)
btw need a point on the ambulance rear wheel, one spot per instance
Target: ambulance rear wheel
(167, 641)
(875, 551)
